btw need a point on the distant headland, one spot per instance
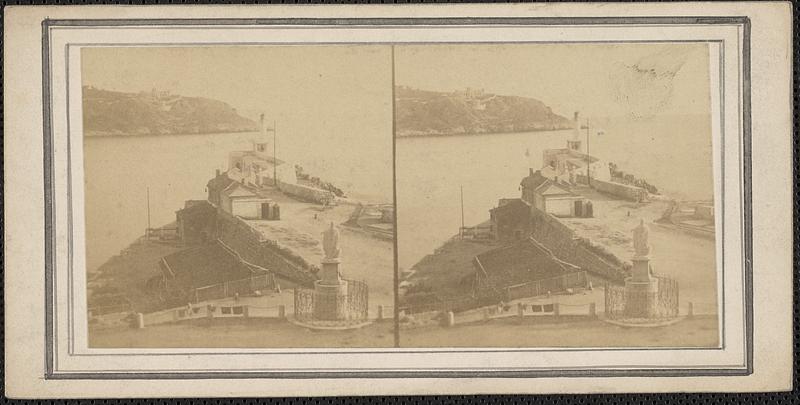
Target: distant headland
(470, 111)
(114, 113)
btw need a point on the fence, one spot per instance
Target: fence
(541, 287)
(519, 310)
(213, 311)
(455, 305)
(231, 288)
(477, 232)
(311, 307)
(625, 303)
(237, 310)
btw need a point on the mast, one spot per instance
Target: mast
(147, 233)
(462, 212)
(274, 153)
(588, 161)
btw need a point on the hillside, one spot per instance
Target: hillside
(112, 113)
(421, 112)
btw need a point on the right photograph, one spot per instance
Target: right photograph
(556, 195)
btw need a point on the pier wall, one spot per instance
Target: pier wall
(562, 241)
(254, 248)
(307, 193)
(624, 191)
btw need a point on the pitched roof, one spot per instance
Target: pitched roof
(207, 265)
(521, 262)
(509, 204)
(238, 190)
(555, 189)
(533, 180)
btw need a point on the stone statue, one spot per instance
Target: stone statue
(640, 235)
(330, 243)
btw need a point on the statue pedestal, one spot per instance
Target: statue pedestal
(641, 290)
(330, 293)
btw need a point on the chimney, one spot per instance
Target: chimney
(575, 117)
(218, 173)
(530, 171)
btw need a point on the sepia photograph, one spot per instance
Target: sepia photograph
(397, 199)
(556, 195)
(238, 196)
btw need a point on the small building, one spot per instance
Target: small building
(240, 200)
(195, 222)
(258, 168)
(523, 269)
(510, 220)
(243, 202)
(215, 186)
(548, 196)
(564, 165)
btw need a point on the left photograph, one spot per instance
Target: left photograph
(238, 196)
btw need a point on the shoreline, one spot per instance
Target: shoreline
(89, 134)
(455, 134)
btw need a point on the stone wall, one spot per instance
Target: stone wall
(254, 248)
(562, 241)
(624, 191)
(307, 193)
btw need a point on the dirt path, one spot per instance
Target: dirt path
(364, 257)
(689, 259)
(241, 333)
(697, 332)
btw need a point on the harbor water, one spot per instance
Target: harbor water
(672, 153)
(175, 168)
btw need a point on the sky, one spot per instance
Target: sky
(289, 82)
(279, 80)
(331, 105)
(636, 80)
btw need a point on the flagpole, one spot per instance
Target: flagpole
(461, 232)
(147, 233)
(275, 153)
(588, 161)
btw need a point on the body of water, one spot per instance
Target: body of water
(119, 170)
(672, 153)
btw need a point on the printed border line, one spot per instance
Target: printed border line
(451, 351)
(720, 316)
(49, 279)
(721, 305)
(420, 21)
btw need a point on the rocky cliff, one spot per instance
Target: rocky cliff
(110, 113)
(421, 112)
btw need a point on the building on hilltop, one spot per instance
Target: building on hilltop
(548, 196)
(563, 165)
(510, 220)
(258, 168)
(195, 222)
(215, 186)
(240, 200)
